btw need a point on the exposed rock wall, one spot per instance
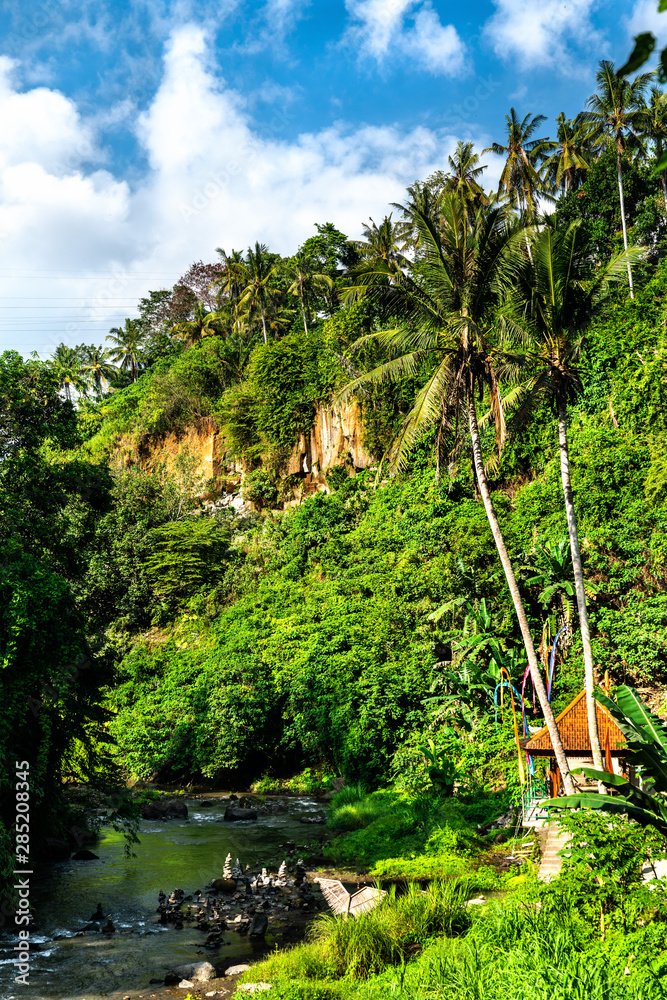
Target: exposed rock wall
(334, 439)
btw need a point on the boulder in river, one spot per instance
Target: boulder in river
(85, 856)
(199, 972)
(234, 813)
(259, 926)
(226, 885)
(165, 809)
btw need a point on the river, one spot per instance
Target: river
(183, 854)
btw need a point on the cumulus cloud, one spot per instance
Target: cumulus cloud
(212, 179)
(404, 28)
(646, 17)
(538, 32)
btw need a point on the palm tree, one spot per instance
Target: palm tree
(617, 113)
(520, 182)
(447, 311)
(68, 365)
(305, 280)
(230, 284)
(655, 129)
(462, 179)
(204, 324)
(126, 344)
(423, 199)
(567, 164)
(98, 365)
(383, 243)
(257, 279)
(562, 290)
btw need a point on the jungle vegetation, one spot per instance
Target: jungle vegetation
(509, 367)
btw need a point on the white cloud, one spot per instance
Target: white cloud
(537, 32)
(645, 17)
(213, 179)
(381, 28)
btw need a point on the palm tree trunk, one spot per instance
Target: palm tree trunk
(622, 201)
(589, 678)
(535, 671)
(303, 312)
(663, 181)
(261, 306)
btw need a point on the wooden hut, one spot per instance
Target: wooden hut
(572, 725)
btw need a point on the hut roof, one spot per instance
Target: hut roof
(573, 728)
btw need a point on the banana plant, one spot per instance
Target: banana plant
(440, 768)
(646, 737)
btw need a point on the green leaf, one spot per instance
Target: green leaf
(604, 776)
(644, 45)
(660, 165)
(662, 6)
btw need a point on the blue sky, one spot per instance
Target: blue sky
(137, 137)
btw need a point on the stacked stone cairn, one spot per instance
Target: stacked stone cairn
(244, 903)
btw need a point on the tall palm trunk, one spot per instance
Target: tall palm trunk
(535, 670)
(622, 201)
(303, 307)
(261, 307)
(589, 678)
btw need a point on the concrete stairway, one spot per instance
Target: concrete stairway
(551, 863)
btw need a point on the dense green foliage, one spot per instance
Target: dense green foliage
(362, 632)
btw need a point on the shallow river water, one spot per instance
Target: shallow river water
(184, 854)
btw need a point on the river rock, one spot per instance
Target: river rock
(236, 970)
(165, 809)
(199, 972)
(235, 813)
(85, 856)
(226, 885)
(259, 926)
(313, 820)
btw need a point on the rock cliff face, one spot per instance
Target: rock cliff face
(334, 440)
(202, 444)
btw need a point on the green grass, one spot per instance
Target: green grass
(514, 950)
(357, 948)
(395, 835)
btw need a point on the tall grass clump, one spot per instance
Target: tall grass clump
(367, 945)
(354, 808)
(520, 952)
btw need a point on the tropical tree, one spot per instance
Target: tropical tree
(126, 342)
(462, 179)
(567, 164)
(562, 290)
(655, 130)
(204, 324)
(98, 366)
(305, 280)
(520, 182)
(69, 368)
(231, 285)
(448, 308)
(257, 277)
(383, 244)
(617, 113)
